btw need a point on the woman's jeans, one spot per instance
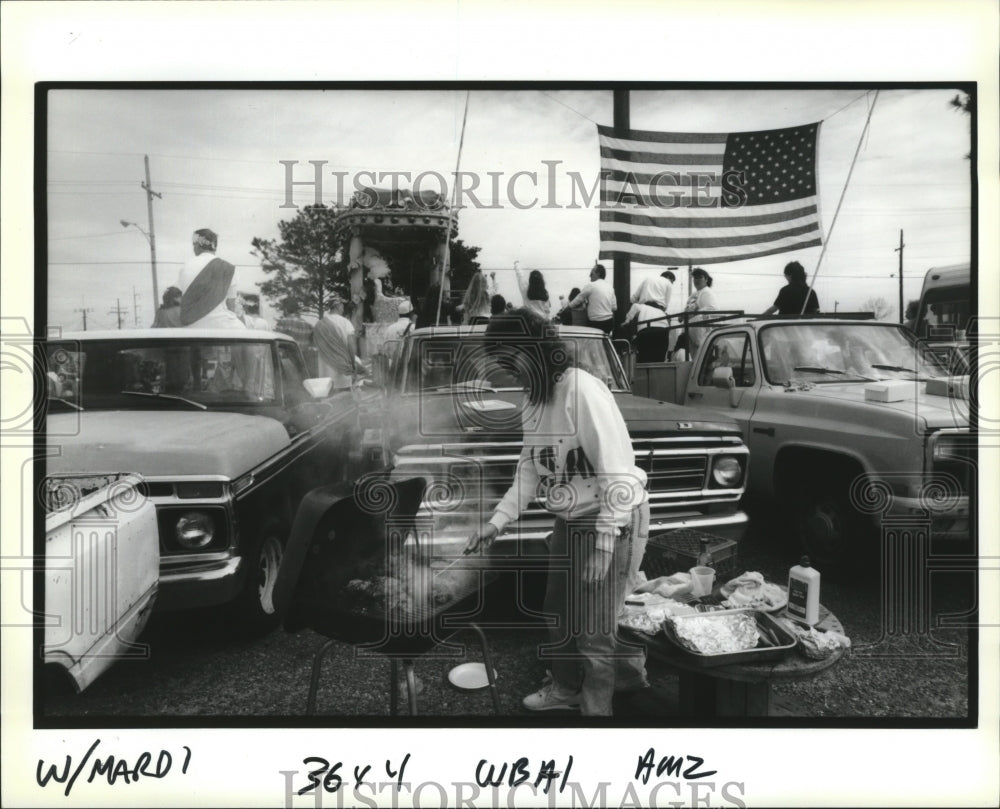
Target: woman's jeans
(584, 650)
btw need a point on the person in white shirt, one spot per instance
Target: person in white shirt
(599, 299)
(651, 332)
(578, 458)
(701, 300)
(404, 325)
(656, 291)
(208, 287)
(336, 341)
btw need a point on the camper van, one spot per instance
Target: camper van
(943, 317)
(945, 302)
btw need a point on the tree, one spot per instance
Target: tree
(463, 263)
(966, 104)
(306, 262)
(878, 306)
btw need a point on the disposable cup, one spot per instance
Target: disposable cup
(702, 580)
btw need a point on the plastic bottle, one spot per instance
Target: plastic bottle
(803, 592)
(705, 554)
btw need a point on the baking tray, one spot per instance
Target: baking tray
(759, 654)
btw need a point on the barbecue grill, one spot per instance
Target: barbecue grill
(357, 571)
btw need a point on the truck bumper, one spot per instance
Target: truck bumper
(206, 585)
(951, 525)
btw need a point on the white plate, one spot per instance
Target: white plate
(470, 676)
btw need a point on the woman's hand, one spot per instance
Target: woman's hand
(482, 538)
(596, 566)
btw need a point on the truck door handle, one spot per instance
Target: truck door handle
(693, 394)
(764, 430)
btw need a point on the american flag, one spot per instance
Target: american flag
(671, 197)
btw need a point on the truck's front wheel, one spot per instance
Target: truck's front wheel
(254, 608)
(830, 530)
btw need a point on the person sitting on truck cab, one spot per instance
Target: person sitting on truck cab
(793, 294)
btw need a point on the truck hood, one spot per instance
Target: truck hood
(935, 412)
(154, 443)
(445, 417)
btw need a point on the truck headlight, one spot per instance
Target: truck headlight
(194, 530)
(727, 471)
(946, 447)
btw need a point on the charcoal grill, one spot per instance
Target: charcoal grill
(355, 571)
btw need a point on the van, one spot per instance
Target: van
(945, 303)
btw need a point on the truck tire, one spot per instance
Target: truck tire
(254, 609)
(831, 531)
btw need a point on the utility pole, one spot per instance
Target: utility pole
(902, 314)
(84, 311)
(118, 312)
(622, 265)
(135, 307)
(835, 305)
(150, 193)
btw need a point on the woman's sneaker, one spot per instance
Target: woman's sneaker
(551, 697)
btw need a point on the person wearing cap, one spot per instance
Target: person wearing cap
(208, 287)
(336, 341)
(656, 291)
(599, 299)
(169, 314)
(404, 325)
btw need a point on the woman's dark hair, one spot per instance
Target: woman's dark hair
(574, 292)
(699, 271)
(534, 338)
(795, 273)
(497, 304)
(536, 287)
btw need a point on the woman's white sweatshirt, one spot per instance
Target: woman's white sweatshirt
(577, 459)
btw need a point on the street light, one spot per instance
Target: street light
(152, 256)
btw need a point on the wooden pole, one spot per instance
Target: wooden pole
(150, 193)
(902, 312)
(623, 264)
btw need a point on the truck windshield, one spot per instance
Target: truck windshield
(442, 363)
(172, 374)
(843, 352)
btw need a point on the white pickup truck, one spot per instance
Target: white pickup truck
(847, 422)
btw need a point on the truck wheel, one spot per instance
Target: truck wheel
(255, 611)
(830, 530)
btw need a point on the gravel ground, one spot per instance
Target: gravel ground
(196, 669)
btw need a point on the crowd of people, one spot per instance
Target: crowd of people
(205, 296)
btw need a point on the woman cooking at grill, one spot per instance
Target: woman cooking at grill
(578, 457)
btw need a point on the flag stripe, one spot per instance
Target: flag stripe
(716, 255)
(649, 136)
(663, 198)
(709, 217)
(677, 241)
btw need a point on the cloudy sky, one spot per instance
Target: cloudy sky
(214, 156)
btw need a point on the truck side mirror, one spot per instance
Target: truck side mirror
(722, 378)
(318, 387)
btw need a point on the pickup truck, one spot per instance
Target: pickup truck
(843, 418)
(452, 416)
(225, 433)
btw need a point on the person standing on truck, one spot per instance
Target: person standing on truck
(656, 291)
(208, 287)
(578, 456)
(650, 332)
(599, 299)
(701, 300)
(169, 315)
(793, 294)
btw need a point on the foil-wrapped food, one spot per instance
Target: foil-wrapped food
(718, 634)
